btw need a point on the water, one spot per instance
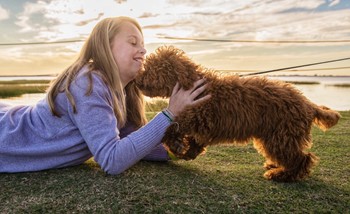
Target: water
(10, 78)
(25, 99)
(324, 93)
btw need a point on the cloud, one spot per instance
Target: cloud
(60, 19)
(251, 19)
(242, 20)
(334, 2)
(31, 17)
(85, 22)
(263, 20)
(4, 14)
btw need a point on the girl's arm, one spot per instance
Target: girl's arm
(97, 124)
(159, 153)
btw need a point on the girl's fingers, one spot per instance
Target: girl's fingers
(192, 90)
(197, 91)
(176, 88)
(181, 98)
(196, 84)
(206, 97)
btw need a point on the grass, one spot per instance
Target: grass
(343, 85)
(228, 179)
(20, 82)
(303, 82)
(17, 88)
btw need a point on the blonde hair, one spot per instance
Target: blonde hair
(97, 54)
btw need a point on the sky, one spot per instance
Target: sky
(262, 24)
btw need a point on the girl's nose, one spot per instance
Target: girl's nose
(142, 50)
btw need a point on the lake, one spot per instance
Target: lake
(324, 93)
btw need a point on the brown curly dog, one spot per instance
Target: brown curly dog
(275, 115)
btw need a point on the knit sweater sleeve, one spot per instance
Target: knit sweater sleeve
(159, 153)
(98, 126)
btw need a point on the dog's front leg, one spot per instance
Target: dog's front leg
(181, 145)
(194, 149)
(173, 140)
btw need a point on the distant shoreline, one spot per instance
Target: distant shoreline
(296, 75)
(39, 75)
(277, 75)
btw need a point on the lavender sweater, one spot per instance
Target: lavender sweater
(32, 139)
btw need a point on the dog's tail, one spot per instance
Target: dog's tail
(325, 118)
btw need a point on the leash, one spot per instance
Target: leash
(298, 66)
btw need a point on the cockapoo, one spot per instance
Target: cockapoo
(274, 114)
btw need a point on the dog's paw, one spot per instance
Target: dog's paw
(177, 146)
(180, 146)
(270, 165)
(281, 175)
(194, 148)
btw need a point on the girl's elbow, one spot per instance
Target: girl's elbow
(115, 166)
(113, 170)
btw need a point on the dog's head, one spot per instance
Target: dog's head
(163, 69)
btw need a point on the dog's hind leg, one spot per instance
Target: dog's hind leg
(293, 164)
(298, 170)
(259, 146)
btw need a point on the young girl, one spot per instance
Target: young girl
(93, 109)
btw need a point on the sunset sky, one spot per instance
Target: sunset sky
(249, 20)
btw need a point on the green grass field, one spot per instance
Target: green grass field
(228, 179)
(17, 88)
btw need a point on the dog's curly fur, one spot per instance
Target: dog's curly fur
(275, 115)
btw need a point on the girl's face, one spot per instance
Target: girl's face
(128, 51)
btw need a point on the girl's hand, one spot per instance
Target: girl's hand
(180, 98)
